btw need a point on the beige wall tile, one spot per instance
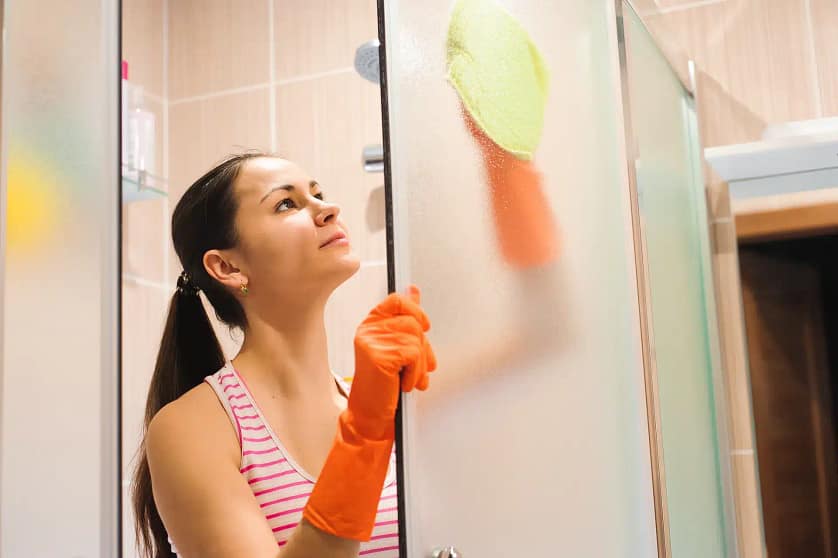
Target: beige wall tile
(143, 246)
(142, 43)
(216, 45)
(297, 125)
(748, 510)
(324, 125)
(722, 118)
(187, 161)
(756, 59)
(143, 316)
(347, 308)
(203, 132)
(187, 149)
(319, 35)
(825, 23)
(159, 152)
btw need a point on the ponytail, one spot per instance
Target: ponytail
(189, 351)
(204, 219)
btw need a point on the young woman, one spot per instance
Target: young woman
(272, 454)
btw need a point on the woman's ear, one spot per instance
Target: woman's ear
(223, 270)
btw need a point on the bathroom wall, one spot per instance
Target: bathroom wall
(764, 61)
(223, 76)
(146, 288)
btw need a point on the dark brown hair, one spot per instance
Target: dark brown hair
(204, 219)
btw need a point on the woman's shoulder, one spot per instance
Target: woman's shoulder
(193, 423)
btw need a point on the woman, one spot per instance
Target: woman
(232, 449)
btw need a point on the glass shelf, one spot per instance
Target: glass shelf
(140, 185)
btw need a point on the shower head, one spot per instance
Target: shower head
(366, 61)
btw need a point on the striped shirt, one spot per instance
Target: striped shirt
(280, 485)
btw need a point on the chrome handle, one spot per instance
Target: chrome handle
(447, 552)
(373, 158)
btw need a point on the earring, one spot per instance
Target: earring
(244, 288)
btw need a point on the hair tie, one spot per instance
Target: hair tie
(185, 284)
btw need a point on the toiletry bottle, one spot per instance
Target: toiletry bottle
(124, 107)
(141, 137)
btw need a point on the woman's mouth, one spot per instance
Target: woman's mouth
(337, 239)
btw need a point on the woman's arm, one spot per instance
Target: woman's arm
(203, 499)
(194, 456)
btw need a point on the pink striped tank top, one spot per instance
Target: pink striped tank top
(282, 487)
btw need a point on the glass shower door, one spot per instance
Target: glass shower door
(680, 292)
(59, 396)
(532, 439)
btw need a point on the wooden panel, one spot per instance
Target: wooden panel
(792, 407)
(808, 220)
(732, 330)
(748, 512)
(737, 385)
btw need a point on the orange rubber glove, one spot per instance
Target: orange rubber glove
(524, 223)
(345, 498)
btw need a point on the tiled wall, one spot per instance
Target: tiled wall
(764, 61)
(227, 75)
(145, 286)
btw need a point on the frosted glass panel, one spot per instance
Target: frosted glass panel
(673, 212)
(532, 440)
(58, 465)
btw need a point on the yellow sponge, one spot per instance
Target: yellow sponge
(498, 73)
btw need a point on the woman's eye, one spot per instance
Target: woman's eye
(319, 196)
(285, 204)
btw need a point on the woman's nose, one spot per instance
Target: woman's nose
(326, 213)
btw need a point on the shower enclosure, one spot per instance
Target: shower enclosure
(577, 409)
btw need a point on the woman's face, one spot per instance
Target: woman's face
(285, 223)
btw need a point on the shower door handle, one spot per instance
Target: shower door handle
(373, 158)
